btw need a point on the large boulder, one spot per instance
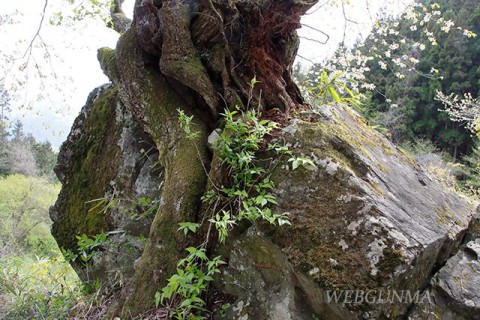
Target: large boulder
(366, 219)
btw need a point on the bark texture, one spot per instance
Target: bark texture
(216, 47)
(199, 56)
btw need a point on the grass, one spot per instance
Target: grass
(34, 287)
(35, 280)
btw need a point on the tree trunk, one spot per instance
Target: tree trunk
(199, 56)
(216, 47)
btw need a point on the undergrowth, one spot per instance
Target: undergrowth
(33, 287)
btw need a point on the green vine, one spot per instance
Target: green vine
(246, 195)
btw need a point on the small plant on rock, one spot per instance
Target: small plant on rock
(245, 192)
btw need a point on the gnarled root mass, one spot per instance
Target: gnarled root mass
(200, 56)
(216, 47)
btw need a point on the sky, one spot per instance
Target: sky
(48, 101)
(47, 104)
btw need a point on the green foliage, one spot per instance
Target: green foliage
(24, 204)
(32, 287)
(440, 165)
(88, 247)
(223, 222)
(405, 103)
(246, 195)
(5, 165)
(328, 89)
(400, 67)
(249, 192)
(223, 308)
(185, 288)
(35, 281)
(143, 207)
(87, 250)
(186, 125)
(188, 227)
(45, 158)
(102, 205)
(470, 182)
(136, 208)
(301, 161)
(21, 153)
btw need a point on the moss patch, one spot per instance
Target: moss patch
(94, 157)
(107, 59)
(323, 206)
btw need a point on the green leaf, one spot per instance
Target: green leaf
(295, 164)
(191, 249)
(201, 255)
(158, 298)
(186, 303)
(188, 226)
(334, 94)
(8, 287)
(335, 77)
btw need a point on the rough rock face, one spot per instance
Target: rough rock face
(367, 218)
(106, 164)
(454, 290)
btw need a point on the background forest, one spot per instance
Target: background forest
(395, 86)
(405, 69)
(35, 280)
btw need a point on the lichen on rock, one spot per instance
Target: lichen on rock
(358, 227)
(356, 224)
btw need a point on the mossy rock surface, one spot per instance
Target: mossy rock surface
(87, 161)
(366, 218)
(106, 164)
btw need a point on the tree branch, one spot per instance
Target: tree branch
(37, 34)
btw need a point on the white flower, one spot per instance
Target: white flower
(368, 86)
(394, 46)
(447, 26)
(427, 17)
